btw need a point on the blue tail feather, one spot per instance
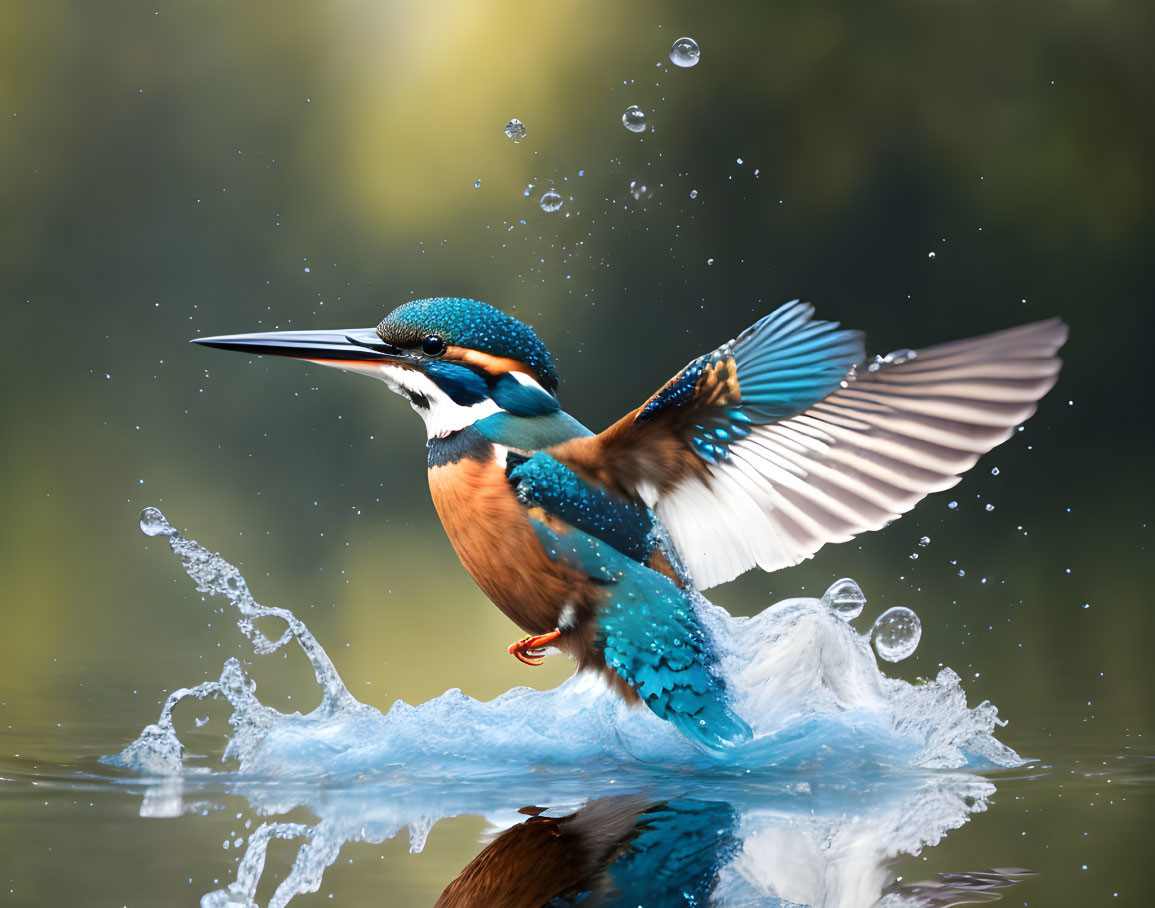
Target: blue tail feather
(652, 637)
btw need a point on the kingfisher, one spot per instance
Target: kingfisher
(754, 455)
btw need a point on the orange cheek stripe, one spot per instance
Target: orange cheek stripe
(494, 365)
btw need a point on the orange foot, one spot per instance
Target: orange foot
(531, 650)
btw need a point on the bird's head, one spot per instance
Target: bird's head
(457, 361)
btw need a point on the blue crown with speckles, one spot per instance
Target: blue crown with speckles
(472, 324)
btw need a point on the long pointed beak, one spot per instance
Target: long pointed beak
(343, 349)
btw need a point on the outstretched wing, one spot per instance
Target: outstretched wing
(777, 443)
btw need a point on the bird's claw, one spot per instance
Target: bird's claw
(530, 656)
(531, 650)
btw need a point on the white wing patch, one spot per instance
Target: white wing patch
(861, 456)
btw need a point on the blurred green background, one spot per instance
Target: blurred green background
(922, 170)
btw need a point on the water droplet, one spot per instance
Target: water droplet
(953, 505)
(896, 633)
(994, 471)
(685, 53)
(515, 129)
(693, 193)
(477, 185)
(709, 261)
(638, 190)
(930, 255)
(989, 507)
(845, 598)
(551, 201)
(924, 541)
(634, 119)
(154, 523)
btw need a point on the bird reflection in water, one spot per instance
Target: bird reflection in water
(630, 851)
(621, 850)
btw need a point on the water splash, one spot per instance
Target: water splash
(685, 53)
(798, 673)
(845, 598)
(551, 201)
(158, 750)
(894, 357)
(824, 716)
(634, 119)
(515, 130)
(896, 633)
(153, 523)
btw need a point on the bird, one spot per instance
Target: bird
(755, 454)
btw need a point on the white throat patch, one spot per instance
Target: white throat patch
(442, 416)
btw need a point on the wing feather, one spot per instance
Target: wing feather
(738, 483)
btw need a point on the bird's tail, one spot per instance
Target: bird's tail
(714, 727)
(650, 634)
(652, 637)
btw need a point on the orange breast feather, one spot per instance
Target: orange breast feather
(491, 533)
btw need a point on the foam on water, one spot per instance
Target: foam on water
(803, 678)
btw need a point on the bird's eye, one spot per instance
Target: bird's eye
(432, 345)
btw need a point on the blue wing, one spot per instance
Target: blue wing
(775, 444)
(646, 628)
(774, 369)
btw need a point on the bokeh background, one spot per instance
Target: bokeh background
(922, 170)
